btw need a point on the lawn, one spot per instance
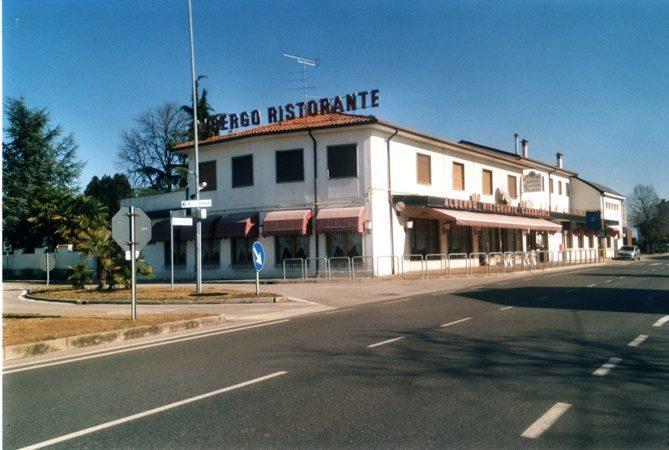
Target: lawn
(146, 293)
(20, 330)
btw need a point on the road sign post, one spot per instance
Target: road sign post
(48, 263)
(258, 252)
(131, 229)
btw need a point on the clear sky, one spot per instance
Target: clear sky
(587, 78)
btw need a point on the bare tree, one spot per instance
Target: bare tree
(146, 152)
(644, 212)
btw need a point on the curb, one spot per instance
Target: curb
(230, 301)
(90, 340)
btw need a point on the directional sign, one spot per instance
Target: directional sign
(182, 221)
(202, 203)
(258, 255)
(121, 228)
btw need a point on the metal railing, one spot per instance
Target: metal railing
(394, 263)
(292, 266)
(413, 259)
(339, 265)
(481, 260)
(458, 257)
(443, 262)
(362, 266)
(319, 268)
(495, 262)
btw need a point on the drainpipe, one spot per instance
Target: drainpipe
(313, 220)
(390, 204)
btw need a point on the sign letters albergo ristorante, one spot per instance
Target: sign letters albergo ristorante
(469, 205)
(277, 114)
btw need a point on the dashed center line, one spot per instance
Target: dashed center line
(455, 322)
(546, 421)
(608, 281)
(621, 277)
(389, 341)
(505, 308)
(661, 321)
(592, 285)
(606, 367)
(638, 340)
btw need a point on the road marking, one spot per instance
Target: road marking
(592, 285)
(401, 300)
(661, 321)
(608, 281)
(386, 342)
(123, 420)
(621, 277)
(504, 284)
(543, 298)
(157, 343)
(546, 421)
(656, 264)
(570, 291)
(455, 322)
(606, 367)
(337, 310)
(504, 309)
(638, 340)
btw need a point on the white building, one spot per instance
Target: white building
(345, 186)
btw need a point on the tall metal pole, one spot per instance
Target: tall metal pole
(133, 265)
(171, 256)
(198, 223)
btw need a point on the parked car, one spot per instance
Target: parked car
(629, 252)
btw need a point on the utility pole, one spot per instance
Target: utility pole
(305, 62)
(198, 222)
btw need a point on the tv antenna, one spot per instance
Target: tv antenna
(305, 62)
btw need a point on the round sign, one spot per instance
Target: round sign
(258, 252)
(47, 262)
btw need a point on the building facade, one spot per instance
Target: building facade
(364, 192)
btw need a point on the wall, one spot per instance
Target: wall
(28, 266)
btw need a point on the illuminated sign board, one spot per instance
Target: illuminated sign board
(276, 114)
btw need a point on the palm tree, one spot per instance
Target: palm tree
(204, 111)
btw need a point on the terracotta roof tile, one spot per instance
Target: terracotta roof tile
(320, 121)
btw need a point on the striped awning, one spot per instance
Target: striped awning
(341, 220)
(476, 219)
(240, 225)
(286, 223)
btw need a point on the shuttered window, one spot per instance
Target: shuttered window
(242, 171)
(342, 161)
(208, 175)
(513, 186)
(550, 185)
(487, 182)
(423, 169)
(458, 176)
(289, 166)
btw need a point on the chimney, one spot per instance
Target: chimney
(559, 156)
(515, 138)
(524, 142)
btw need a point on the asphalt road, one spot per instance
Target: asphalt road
(540, 362)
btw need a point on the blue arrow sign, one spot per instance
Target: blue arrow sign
(258, 256)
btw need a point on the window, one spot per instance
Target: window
(344, 244)
(566, 188)
(423, 169)
(242, 171)
(291, 247)
(458, 176)
(542, 184)
(208, 175)
(342, 161)
(179, 253)
(211, 254)
(459, 239)
(487, 182)
(511, 240)
(513, 186)
(424, 236)
(550, 185)
(559, 187)
(289, 165)
(581, 239)
(240, 249)
(488, 240)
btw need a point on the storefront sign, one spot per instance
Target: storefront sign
(276, 114)
(532, 182)
(469, 205)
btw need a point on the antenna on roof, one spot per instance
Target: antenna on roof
(305, 62)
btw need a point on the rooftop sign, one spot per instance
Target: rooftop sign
(276, 114)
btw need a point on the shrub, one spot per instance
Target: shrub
(79, 275)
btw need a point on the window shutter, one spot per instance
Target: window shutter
(458, 176)
(487, 182)
(423, 169)
(513, 186)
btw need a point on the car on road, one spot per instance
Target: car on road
(629, 252)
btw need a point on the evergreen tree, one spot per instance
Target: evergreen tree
(39, 166)
(109, 191)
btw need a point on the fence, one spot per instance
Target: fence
(318, 269)
(413, 265)
(362, 266)
(339, 266)
(440, 264)
(292, 267)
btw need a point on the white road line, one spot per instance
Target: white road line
(621, 277)
(606, 367)
(546, 421)
(504, 284)
(656, 264)
(505, 308)
(158, 343)
(455, 322)
(401, 300)
(337, 310)
(608, 281)
(592, 285)
(638, 340)
(543, 298)
(386, 342)
(661, 321)
(570, 291)
(123, 420)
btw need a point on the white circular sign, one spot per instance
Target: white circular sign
(50, 258)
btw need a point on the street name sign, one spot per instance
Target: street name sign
(182, 221)
(121, 228)
(202, 203)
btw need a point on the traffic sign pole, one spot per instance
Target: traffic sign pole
(133, 265)
(47, 268)
(171, 256)
(257, 283)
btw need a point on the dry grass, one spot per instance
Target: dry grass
(146, 293)
(21, 331)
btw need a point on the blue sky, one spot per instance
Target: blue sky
(587, 78)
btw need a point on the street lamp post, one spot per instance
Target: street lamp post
(198, 223)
